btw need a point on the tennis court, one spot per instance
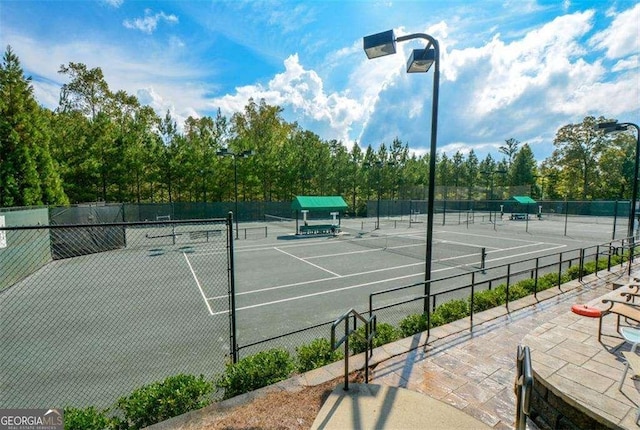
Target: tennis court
(284, 282)
(88, 329)
(85, 330)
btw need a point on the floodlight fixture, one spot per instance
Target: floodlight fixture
(420, 60)
(380, 44)
(611, 127)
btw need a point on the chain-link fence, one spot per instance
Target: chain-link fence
(111, 307)
(570, 217)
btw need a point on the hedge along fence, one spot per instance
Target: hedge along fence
(179, 394)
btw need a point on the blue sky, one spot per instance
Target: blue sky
(509, 68)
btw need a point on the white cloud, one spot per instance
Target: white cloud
(628, 63)
(508, 71)
(162, 82)
(301, 91)
(149, 23)
(621, 37)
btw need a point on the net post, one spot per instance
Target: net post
(483, 258)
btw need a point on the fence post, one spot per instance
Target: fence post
(232, 291)
(508, 283)
(581, 264)
(615, 220)
(473, 287)
(346, 354)
(560, 273)
(632, 245)
(535, 282)
(566, 214)
(444, 211)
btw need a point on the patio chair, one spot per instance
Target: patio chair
(632, 361)
(631, 292)
(622, 309)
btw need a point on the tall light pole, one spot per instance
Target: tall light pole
(611, 127)
(381, 44)
(224, 152)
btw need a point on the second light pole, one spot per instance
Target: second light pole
(614, 126)
(224, 152)
(381, 44)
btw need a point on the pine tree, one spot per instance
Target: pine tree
(28, 174)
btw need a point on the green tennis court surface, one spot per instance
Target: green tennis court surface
(104, 324)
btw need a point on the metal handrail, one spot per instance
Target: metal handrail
(581, 259)
(523, 386)
(370, 332)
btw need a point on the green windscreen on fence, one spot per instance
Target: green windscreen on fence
(90, 239)
(22, 254)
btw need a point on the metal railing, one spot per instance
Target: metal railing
(508, 274)
(370, 332)
(523, 386)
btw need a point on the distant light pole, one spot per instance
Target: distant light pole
(381, 44)
(491, 173)
(224, 152)
(379, 165)
(612, 127)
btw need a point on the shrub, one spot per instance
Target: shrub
(527, 284)
(450, 311)
(159, 401)
(88, 419)
(256, 371)
(547, 281)
(413, 324)
(593, 266)
(518, 291)
(616, 259)
(316, 354)
(487, 299)
(573, 272)
(385, 333)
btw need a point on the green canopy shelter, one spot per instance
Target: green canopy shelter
(305, 204)
(319, 203)
(526, 201)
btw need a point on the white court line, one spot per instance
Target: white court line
(494, 237)
(319, 293)
(351, 275)
(289, 299)
(526, 253)
(297, 284)
(309, 263)
(198, 283)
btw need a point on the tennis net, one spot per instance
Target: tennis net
(445, 252)
(280, 223)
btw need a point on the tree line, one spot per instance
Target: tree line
(104, 145)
